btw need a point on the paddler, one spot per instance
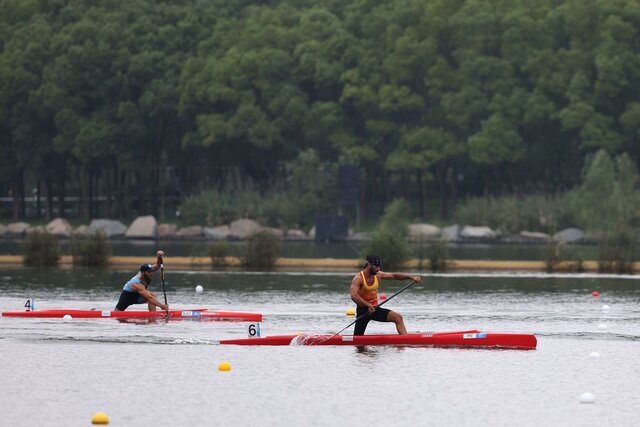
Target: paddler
(364, 292)
(135, 290)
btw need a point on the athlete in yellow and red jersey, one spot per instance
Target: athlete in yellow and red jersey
(364, 292)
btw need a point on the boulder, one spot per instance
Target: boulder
(295, 234)
(451, 233)
(423, 231)
(243, 228)
(110, 227)
(482, 232)
(193, 231)
(534, 235)
(275, 231)
(60, 227)
(34, 228)
(166, 230)
(219, 232)
(82, 230)
(569, 235)
(143, 227)
(17, 229)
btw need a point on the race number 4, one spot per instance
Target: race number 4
(254, 330)
(30, 305)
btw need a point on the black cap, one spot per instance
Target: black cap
(374, 260)
(146, 267)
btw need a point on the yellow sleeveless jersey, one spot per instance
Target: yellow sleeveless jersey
(369, 292)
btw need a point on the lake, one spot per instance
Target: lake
(59, 373)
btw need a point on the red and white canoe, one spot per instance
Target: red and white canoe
(471, 339)
(197, 314)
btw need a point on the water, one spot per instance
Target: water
(59, 373)
(310, 249)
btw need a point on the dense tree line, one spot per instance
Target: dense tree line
(432, 99)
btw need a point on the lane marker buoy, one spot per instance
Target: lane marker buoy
(199, 288)
(100, 418)
(224, 366)
(587, 398)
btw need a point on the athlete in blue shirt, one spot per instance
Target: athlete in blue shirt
(135, 290)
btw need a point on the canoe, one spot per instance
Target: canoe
(463, 339)
(197, 314)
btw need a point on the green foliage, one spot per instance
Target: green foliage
(40, 248)
(510, 215)
(218, 252)
(388, 239)
(559, 257)
(310, 189)
(269, 97)
(608, 196)
(436, 252)
(93, 250)
(396, 217)
(617, 250)
(262, 250)
(389, 246)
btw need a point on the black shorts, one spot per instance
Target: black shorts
(128, 298)
(380, 315)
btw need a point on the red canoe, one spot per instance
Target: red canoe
(471, 339)
(198, 314)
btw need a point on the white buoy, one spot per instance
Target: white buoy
(199, 288)
(67, 317)
(605, 307)
(602, 326)
(594, 354)
(587, 398)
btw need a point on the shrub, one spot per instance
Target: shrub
(511, 214)
(396, 217)
(616, 251)
(262, 250)
(41, 248)
(438, 255)
(218, 252)
(91, 251)
(389, 246)
(561, 258)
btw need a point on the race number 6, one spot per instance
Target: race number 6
(254, 330)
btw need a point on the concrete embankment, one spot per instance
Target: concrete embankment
(325, 264)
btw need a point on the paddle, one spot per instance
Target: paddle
(367, 313)
(164, 291)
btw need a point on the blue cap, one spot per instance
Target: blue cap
(147, 267)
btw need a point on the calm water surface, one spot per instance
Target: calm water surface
(293, 249)
(59, 373)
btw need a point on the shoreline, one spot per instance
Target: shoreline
(323, 264)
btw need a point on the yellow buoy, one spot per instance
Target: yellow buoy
(351, 312)
(224, 366)
(100, 418)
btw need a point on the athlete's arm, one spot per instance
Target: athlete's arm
(398, 276)
(356, 284)
(149, 296)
